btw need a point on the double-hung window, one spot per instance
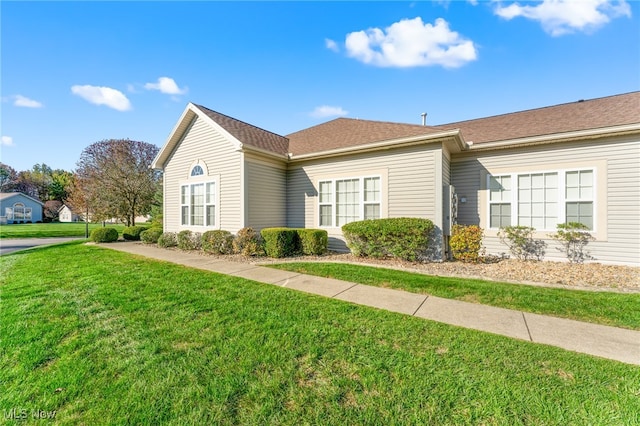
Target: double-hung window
(198, 200)
(579, 197)
(341, 201)
(541, 200)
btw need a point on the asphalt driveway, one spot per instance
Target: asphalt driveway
(12, 245)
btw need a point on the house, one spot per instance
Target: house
(16, 207)
(578, 161)
(65, 214)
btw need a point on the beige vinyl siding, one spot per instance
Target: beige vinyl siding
(202, 142)
(408, 184)
(265, 194)
(618, 190)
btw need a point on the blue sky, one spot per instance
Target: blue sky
(74, 73)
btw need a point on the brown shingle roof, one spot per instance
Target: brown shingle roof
(581, 115)
(348, 132)
(249, 134)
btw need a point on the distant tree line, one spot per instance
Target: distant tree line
(113, 179)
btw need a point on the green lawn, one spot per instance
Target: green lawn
(616, 309)
(102, 337)
(44, 230)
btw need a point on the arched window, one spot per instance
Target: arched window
(18, 211)
(197, 171)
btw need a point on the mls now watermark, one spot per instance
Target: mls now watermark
(24, 414)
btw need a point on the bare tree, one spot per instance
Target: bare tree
(115, 179)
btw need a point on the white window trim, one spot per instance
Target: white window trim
(561, 197)
(194, 180)
(361, 202)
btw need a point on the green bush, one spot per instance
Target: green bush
(466, 243)
(406, 238)
(151, 235)
(248, 243)
(521, 244)
(573, 238)
(168, 239)
(217, 242)
(132, 233)
(280, 242)
(313, 242)
(188, 240)
(104, 235)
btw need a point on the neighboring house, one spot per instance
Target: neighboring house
(16, 207)
(65, 214)
(572, 162)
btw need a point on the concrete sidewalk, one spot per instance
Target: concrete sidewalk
(607, 342)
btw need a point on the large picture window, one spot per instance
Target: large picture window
(198, 200)
(341, 201)
(541, 200)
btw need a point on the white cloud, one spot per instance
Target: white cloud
(99, 95)
(559, 17)
(411, 43)
(166, 85)
(328, 111)
(331, 45)
(6, 141)
(23, 101)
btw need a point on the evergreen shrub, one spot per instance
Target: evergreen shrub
(104, 235)
(151, 235)
(406, 238)
(132, 233)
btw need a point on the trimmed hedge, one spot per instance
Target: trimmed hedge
(406, 238)
(104, 235)
(151, 235)
(280, 242)
(313, 242)
(283, 242)
(217, 242)
(132, 233)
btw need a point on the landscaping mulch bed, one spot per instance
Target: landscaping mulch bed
(587, 276)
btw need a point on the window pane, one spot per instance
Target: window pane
(326, 216)
(572, 179)
(211, 215)
(211, 193)
(184, 190)
(581, 212)
(325, 192)
(586, 178)
(197, 204)
(500, 215)
(371, 189)
(197, 171)
(185, 215)
(347, 201)
(372, 211)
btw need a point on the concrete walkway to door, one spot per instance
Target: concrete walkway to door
(598, 340)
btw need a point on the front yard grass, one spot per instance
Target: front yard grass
(103, 337)
(47, 230)
(607, 308)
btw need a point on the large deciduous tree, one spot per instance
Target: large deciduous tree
(114, 179)
(8, 177)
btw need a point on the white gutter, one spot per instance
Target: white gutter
(245, 147)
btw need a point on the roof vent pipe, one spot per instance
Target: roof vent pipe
(424, 118)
